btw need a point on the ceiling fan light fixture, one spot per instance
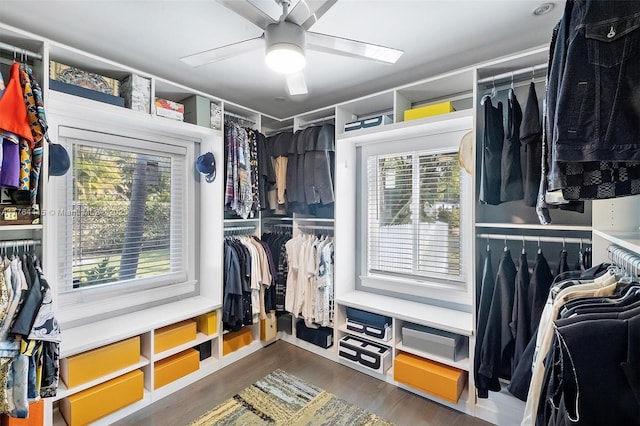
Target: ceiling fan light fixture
(285, 45)
(285, 58)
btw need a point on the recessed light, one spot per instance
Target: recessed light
(543, 9)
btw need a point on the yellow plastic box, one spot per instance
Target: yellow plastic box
(176, 366)
(96, 402)
(174, 335)
(36, 416)
(428, 111)
(207, 323)
(428, 376)
(91, 365)
(269, 327)
(234, 340)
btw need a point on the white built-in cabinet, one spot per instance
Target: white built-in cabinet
(605, 222)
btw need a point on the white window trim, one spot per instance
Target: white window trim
(449, 135)
(71, 116)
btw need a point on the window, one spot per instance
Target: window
(124, 221)
(413, 219)
(415, 204)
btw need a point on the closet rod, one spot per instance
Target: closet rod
(231, 114)
(569, 240)
(624, 259)
(19, 51)
(8, 244)
(317, 120)
(239, 228)
(315, 227)
(508, 75)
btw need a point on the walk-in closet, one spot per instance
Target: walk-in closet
(319, 212)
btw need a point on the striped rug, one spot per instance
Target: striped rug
(282, 399)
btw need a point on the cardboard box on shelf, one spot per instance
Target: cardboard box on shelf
(169, 109)
(136, 91)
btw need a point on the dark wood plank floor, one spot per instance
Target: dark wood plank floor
(392, 403)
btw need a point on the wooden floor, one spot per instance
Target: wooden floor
(392, 403)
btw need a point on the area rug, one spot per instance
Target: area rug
(282, 399)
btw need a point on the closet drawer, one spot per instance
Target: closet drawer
(208, 323)
(174, 335)
(234, 340)
(174, 367)
(431, 340)
(429, 376)
(91, 365)
(322, 336)
(373, 356)
(368, 318)
(369, 330)
(96, 402)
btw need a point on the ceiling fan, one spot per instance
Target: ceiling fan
(286, 40)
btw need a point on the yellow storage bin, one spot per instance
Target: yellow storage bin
(174, 335)
(429, 376)
(96, 402)
(269, 327)
(428, 111)
(234, 340)
(91, 365)
(207, 323)
(36, 416)
(174, 367)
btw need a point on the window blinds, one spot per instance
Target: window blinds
(413, 215)
(125, 216)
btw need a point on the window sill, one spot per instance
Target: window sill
(90, 336)
(452, 320)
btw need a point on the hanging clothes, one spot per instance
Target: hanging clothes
(541, 280)
(562, 292)
(590, 153)
(309, 291)
(563, 264)
(484, 383)
(531, 138)
(242, 172)
(496, 353)
(277, 246)
(493, 137)
(520, 318)
(511, 188)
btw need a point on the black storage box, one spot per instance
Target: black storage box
(322, 336)
(204, 349)
(371, 355)
(83, 92)
(367, 318)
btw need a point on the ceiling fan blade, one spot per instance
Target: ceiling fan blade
(249, 12)
(352, 48)
(223, 52)
(296, 84)
(307, 12)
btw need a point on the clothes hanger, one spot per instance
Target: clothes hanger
(511, 92)
(524, 251)
(506, 248)
(493, 93)
(539, 248)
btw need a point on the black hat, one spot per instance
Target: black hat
(59, 161)
(206, 165)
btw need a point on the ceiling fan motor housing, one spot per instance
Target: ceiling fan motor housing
(285, 35)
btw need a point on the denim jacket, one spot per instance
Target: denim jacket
(597, 97)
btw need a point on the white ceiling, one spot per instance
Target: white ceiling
(151, 35)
